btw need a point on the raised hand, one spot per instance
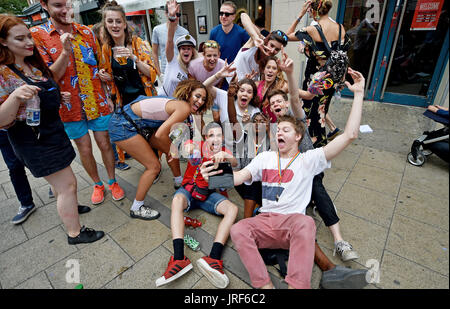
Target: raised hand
(358, 81)
(305, 8)
(172, 8)
(226, 71)
(234, 87)
(251, 75)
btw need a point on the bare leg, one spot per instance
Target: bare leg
(104, 144)
(229, 211)
(139, 149)
(174, 167)
(65, 186)
(84, 146)
(179, 204)
(336, 231)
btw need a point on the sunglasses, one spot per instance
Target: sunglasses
(211, 45)
(226, 14)
(282, 35)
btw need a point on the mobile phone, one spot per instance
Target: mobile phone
(223, 180)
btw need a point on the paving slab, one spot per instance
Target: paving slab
(26, 260)
(419, 242)
(99, 262)
(400, 273)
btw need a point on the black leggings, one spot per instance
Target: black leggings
(323, 201)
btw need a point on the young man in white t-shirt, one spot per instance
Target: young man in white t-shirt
(287, 178)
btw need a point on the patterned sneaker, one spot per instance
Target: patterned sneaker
(116, 191)
(192, 243)
(345, 251)
(213, 271)
(122, 166)
(191, 222)
(175, 269)
(23, 214)
(144, 213)
(98, 196)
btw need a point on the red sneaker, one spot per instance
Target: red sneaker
(213, 271)
(175, 269)
(188, 221)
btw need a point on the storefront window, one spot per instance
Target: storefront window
(416, 53)
(362, 23)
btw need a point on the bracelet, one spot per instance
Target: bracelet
(299, 19)
(172, 18)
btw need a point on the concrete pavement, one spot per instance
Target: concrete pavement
(394, 214)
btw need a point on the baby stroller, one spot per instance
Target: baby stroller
(431, 142)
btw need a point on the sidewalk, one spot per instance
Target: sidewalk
(394, 214)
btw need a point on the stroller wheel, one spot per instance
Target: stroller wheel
(419, 161)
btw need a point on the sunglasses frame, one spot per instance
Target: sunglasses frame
(226, 14)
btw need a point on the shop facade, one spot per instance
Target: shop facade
(401, 47)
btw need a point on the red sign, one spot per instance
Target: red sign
(426, 15)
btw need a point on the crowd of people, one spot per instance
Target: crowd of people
(61, 80)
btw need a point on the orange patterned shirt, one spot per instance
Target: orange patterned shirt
(88, 100)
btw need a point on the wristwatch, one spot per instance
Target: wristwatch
(173, 18)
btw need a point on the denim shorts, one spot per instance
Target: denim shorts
(121, 129)
(209, 205)
(77, 129)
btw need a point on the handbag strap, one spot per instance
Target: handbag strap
(20, 74)
(128, 118)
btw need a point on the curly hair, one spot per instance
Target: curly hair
(184, 91)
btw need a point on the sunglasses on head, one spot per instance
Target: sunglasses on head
(226, 14)
(211, 45)
(282, 35)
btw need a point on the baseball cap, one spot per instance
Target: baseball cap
(185, 40)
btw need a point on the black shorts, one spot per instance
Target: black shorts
(252, 192)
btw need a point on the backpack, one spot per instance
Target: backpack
(337, 61)
(276, 256)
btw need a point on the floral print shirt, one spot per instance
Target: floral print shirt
(143, 51)
(10, 81)
(88, 100)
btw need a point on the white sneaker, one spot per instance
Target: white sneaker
(345, 251)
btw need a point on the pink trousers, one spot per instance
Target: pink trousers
(295, 232)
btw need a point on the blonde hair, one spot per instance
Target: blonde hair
(183, 65)
(184, 91)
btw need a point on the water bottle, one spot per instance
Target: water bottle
(175, 134)
(33, 112)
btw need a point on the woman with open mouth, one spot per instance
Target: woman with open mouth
(154, 117)
(126, 64)
(272, 79)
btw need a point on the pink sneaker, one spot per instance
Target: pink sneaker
(98, 196)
